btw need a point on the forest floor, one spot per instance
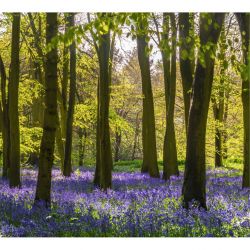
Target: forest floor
(136, 206)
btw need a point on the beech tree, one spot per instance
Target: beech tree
(148, 119)
(104, 161)
(187, 58)
(170, 165)
(218, 102)
(47, 147)
(67, 168)
(14, 138)
(5, 121)
(194, 187)
(244, 24)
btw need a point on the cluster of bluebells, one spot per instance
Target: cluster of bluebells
(136, 206)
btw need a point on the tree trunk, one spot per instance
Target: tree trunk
(59, 141)
(187, 58)
(65, 80)
(105, 155)
(218, 105)
(14, 169)
(244, 24)
(67, 168)
(137, 126)
(148, 119)
(225, 134)
(47, 147)
(97, 169)
(170, 165)
(194, 187)
(81, 146)
(118, 139)
(5, 132)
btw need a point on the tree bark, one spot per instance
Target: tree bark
(194, 187)
(82, 144)
(6, 128)
(170, 165)
(137, 126)
(118, 139)
(244, 24)
(149, 164)
(67, 168)
(218, 105)
(187, 58)
(47, 147)
(105, 155)
(14, 169)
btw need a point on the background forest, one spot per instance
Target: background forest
(126, 93)
(111, 121)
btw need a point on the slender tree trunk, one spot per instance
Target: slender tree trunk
(67, 169)
(65, 80)
(118, 139)
(225, 134)
(97, 169)
(81, 146)
(218, 111)
(148, 119)
(59, 141)
(244, 24)
(47, 147)
(194, 186)
(137, 126)
(14, 170)
(170, 165)
(218, 105)
(5, 132)
(187, 58)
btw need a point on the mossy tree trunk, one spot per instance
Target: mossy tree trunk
(14, 169)
(149, 164)
(170, 165)
(194, 187)
(244, 24)
(47, 147)
(67, 168)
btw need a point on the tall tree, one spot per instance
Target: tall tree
(170, 165)
(104, 161)
(14, 169)
(47, 147)
(40, 62)
(5, 122)
(187, 58)
(148, 118)
(218, 102)
(67, 168)
(244, 24)
(194, 186)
